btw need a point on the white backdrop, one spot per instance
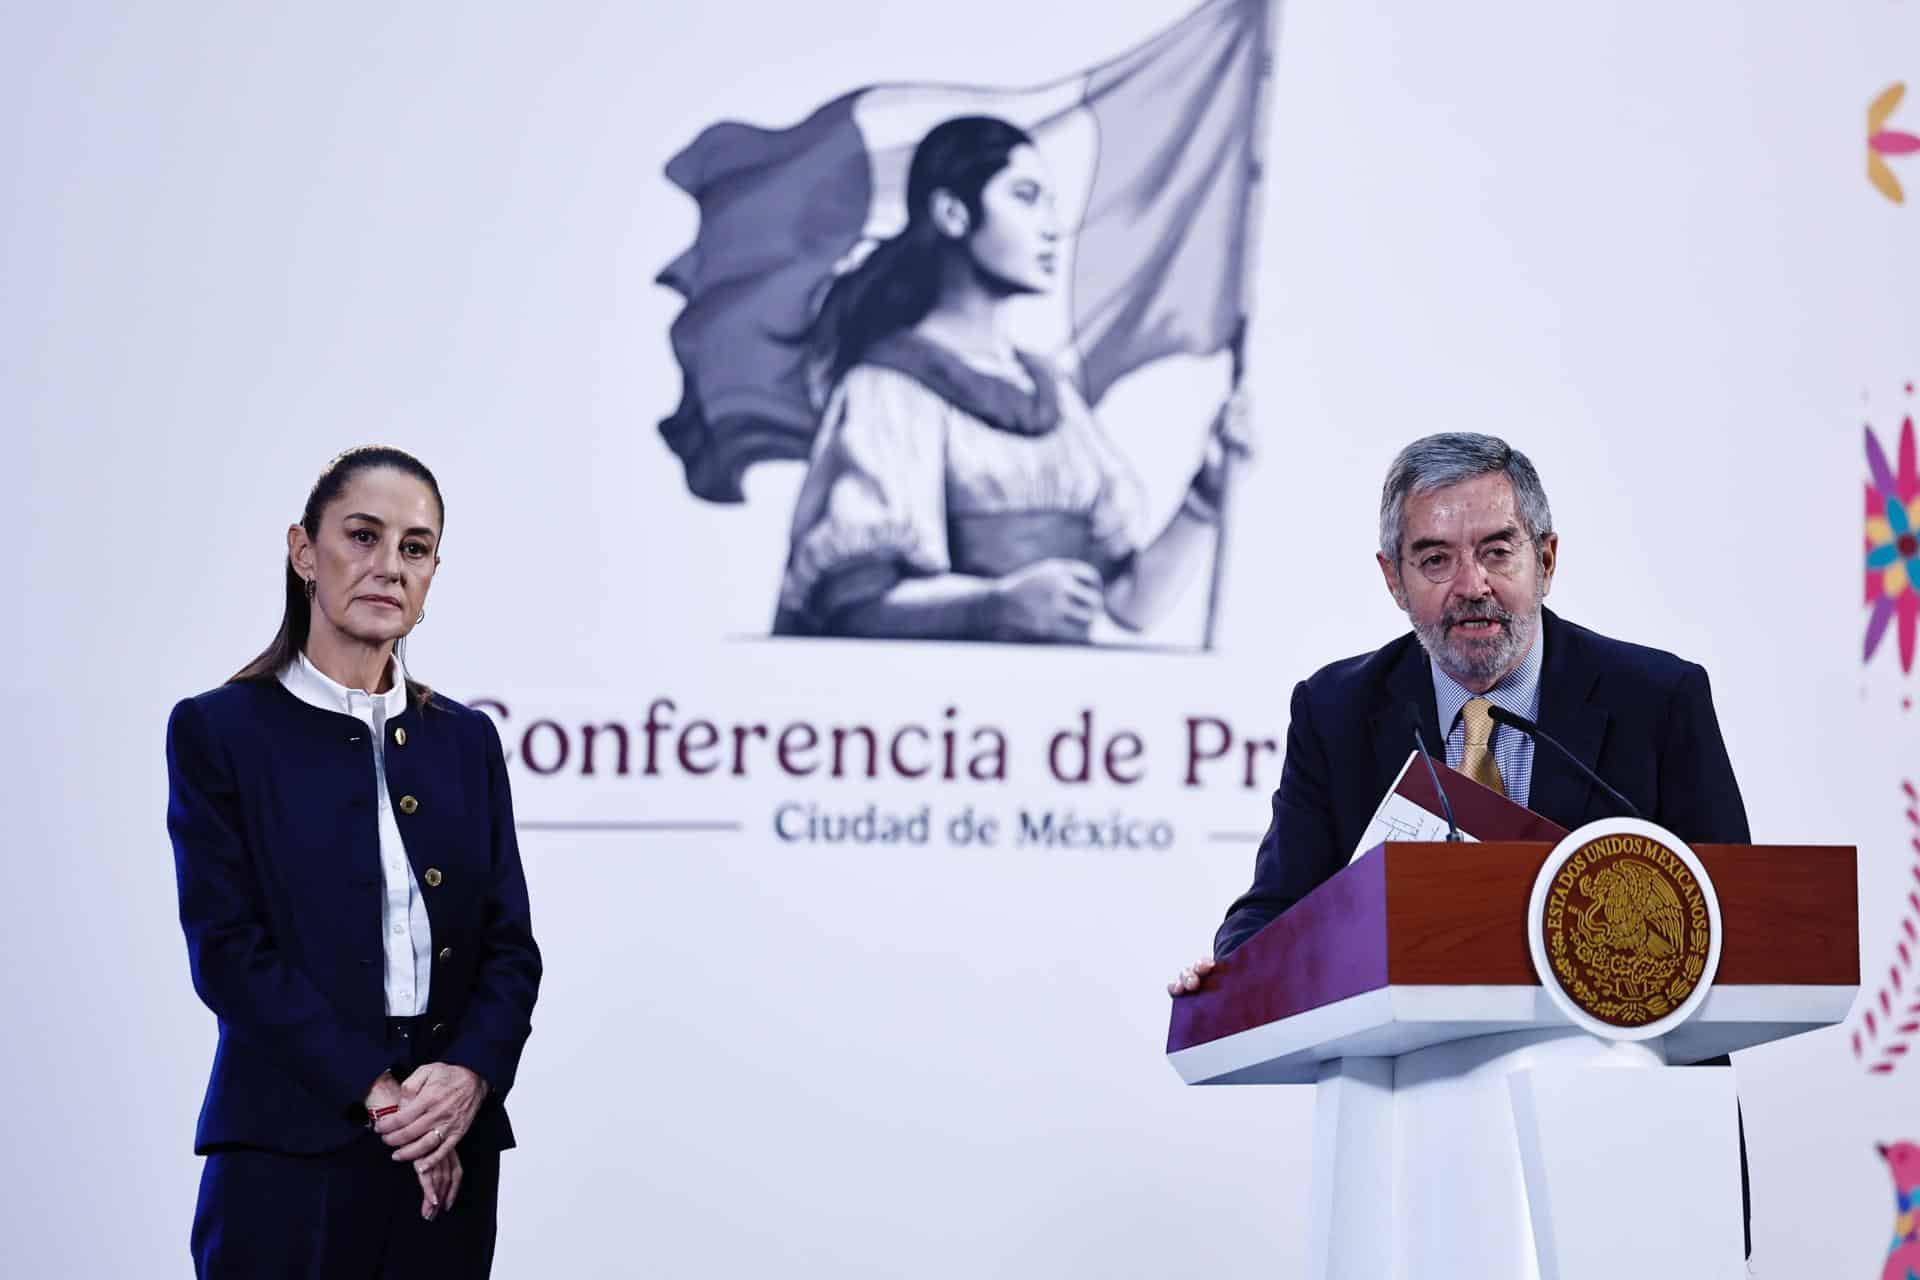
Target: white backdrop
(234, 239)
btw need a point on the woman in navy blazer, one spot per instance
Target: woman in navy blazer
(355, 914)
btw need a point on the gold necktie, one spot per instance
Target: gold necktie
(1478, 762)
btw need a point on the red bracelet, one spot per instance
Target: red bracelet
(376, 1112)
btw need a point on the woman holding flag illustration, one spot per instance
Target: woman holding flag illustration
(960, 488)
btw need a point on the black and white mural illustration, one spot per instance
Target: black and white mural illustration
(924, 293)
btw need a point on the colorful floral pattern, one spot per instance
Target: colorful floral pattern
(1903, 1252)
(1882, 141)
(1893, 545)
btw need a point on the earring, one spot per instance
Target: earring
(422, 618)
(310, 589)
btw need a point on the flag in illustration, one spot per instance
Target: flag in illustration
(1153, 156)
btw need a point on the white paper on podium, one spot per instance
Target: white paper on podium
(1399, 818)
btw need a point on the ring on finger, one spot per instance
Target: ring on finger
(439, 1135)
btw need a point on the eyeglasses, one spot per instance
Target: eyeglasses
(1442, 564)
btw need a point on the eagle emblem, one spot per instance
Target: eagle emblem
(1626, 929)
(1634, 910)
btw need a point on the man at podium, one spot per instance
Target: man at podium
(1468, 551)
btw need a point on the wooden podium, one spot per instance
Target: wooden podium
(1463, 1126)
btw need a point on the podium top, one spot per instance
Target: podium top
(1447, 923)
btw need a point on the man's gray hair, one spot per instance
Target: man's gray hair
(1435, 462)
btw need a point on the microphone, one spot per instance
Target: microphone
(1503, 716)
(1446, 805)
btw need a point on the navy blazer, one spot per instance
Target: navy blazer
(1641, 718)
(276, 847)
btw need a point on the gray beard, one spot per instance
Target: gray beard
(1480, 663)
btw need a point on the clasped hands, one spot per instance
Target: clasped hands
(435, 1105)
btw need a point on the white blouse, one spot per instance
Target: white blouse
(894, 461)
(404, 929)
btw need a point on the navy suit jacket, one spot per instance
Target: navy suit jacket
(276, 847)
(1641, 718)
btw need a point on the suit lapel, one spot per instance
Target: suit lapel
(1410, 681)
(1568, 712)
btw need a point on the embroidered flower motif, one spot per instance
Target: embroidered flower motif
(1893, 545)
(1882, 141)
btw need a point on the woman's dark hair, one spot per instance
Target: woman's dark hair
(898, 283)
(291, 639)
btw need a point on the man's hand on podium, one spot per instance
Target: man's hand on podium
(1190, 978)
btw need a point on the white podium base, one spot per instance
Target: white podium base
(1526, 1156)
